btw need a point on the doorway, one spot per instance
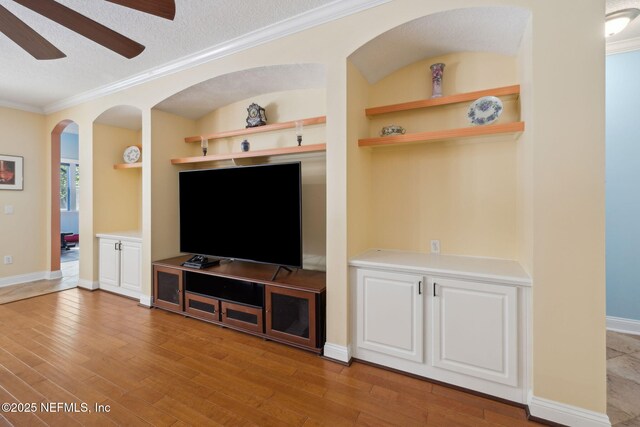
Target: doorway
(65, 203)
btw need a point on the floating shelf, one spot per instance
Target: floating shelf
(249, 154)
(127, 165)
(433, 102)
(258, 129)
(440, 135)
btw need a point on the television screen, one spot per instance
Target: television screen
(250, 213)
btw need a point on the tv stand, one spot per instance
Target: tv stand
(247, 297)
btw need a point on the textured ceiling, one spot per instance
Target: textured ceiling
(198, 25)
(204, 97)
(124, 116)
(486, 29)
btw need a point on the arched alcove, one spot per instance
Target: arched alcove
(287, 92)
(462, 192)
(117, 186)
(497, 30)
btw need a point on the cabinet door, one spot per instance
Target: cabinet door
(201, 306)
(475, 329)
(130, 265)
(390, 313)
(167, 288)
(242, 316)
(291, 315)
(109, 262)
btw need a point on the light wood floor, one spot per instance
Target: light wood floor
(158, 368)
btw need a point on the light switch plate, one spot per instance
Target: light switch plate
(8, 209)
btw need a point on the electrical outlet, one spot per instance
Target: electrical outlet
(435, 246)
(8, 259)
(8, 209)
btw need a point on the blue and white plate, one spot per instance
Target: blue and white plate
(485, 110)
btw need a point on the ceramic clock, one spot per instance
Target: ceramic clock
(256, 116)
(131, 154)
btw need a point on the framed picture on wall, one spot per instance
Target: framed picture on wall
(11, 172)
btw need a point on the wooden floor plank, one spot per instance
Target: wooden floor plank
(153, 367)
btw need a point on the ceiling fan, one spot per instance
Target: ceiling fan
(41, 48)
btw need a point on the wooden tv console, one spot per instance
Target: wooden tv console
(242, 295)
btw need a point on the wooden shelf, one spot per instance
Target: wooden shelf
(453, 99)
(440, 135)
(249, 154)
(258, 129)
(127, 165)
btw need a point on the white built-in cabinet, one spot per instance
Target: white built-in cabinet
(460, 320)
(475, 329)
(120, 263)
(390, 313)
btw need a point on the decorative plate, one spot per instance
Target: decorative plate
(485, 110)
(131, 154)
(392, 130)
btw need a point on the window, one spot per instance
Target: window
(64, 187)
(69, 186)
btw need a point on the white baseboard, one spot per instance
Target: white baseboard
(337, 352)
(145, 300)
(88, 284)
(627, 326)
(23, 278)
(120, 290)
(53, 275)
(566, 414)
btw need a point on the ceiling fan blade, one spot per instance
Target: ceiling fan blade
(25, 37)
(85, 26)
(162, 8)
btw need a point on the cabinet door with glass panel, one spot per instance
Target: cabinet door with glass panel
(167, 288)
(291, 315)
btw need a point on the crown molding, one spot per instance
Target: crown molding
(21, 107)
(623, 46)
(327, 13)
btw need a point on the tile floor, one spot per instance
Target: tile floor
(69, 279)
(623, 379)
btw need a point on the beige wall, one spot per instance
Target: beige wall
(279, 107)
(568, 256)
(564, 189)
(117, 193)
(359, 187)
(22, 235)
(167, 134)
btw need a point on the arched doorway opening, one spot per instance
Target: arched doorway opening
(64, 194)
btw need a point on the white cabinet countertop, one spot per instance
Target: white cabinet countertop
(495, 270)
(131, 235)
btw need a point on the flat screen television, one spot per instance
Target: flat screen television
(251, 213)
